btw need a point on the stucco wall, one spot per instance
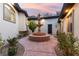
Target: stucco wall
(7, 28)
(22, 22)
(44, 28)
(75, 24)
(76, 20)
(63, 26)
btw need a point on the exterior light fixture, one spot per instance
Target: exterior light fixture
(42, 21)
(69, 12)
(66, 10)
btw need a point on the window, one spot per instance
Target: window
(9, 13)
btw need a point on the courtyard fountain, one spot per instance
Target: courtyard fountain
(39, 36)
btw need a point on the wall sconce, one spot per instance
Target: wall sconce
(43, 21)
(66, 11)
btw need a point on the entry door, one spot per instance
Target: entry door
(49, 28)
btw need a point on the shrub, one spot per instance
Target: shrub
(66, 42)
(1, 41)
(32, 25)
(22, 34)
(12, 41)
(12, 51)
(76, 47)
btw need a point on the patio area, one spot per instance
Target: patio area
(39, 48)
(34, 29)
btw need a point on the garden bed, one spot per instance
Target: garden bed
(4, 50)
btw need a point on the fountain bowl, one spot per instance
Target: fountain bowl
(39, 37)
(39, 33)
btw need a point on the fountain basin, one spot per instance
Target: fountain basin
(39, 38)
(39, 33)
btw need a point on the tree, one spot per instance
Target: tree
(32, 25)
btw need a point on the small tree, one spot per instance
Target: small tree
(32, 25)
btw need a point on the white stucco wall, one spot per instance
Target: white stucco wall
(22, 22)
(7, 28)
(44, 28)
(76, 20)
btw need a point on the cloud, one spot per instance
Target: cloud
(42, 7)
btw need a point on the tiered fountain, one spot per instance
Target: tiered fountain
(39, 36)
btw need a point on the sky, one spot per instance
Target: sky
(33, 9)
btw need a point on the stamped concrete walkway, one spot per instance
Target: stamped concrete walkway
(39, 48)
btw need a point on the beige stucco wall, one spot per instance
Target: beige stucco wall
(22, 22)
(76, 20)
(75, 8)
(64, 25)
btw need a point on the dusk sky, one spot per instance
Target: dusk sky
(42, 8)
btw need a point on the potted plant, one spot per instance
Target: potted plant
(32, 25)
(12, 50)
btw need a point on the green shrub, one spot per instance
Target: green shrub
(22, 34)
(61, 39)
(1, 41)
(12, 41)
(12, 51)
(76, 47)
(70, 42)
(32, 25)
(66, 42)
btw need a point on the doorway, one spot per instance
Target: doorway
(49, 28)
